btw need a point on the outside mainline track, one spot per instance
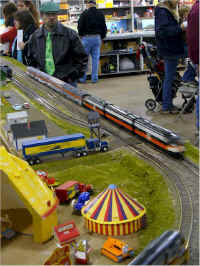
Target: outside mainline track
(181, 175)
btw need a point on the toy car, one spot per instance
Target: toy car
(17, 107)
(44, 176)
(26, 106)
(82, 200)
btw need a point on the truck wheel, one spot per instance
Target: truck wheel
(37, 161)
(104, 149)
(85, 153)
(78, 154)
(31, 161)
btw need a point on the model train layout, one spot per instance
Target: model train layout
(163, 138)
(171, 247)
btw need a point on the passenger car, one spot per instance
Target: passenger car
(17, 107)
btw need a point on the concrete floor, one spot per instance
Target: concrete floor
(128, 92)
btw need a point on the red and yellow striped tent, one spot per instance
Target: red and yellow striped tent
(114, 213)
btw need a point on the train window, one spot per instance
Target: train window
(118, 109)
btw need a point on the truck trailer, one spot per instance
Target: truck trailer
(76, 143)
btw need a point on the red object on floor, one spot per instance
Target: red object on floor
(66, 233)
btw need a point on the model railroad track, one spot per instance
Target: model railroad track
(18, 74)
(183, 187)
(43, 101)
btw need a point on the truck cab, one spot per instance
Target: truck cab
(94, 144)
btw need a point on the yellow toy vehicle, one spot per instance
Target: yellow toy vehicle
(116, 249)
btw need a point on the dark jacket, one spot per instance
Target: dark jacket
(92, 21)
(26, 35)
(193, 33)
(68, 52)
(168, 33)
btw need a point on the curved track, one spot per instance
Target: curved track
(181, 175)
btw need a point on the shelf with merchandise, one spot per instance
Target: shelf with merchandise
(122, 52)
(118, 18)
(104, 4)
(143, 3)
(118, 51)
(144, 6)
(115, 7)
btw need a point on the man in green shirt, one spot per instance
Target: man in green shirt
(56, 49)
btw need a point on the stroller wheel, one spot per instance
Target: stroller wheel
(150, 104)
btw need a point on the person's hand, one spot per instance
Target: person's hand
(21, 45)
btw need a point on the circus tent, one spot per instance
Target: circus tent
(113, 212)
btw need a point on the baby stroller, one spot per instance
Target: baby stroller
(156, 75)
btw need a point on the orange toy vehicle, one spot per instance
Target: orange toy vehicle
(116, 249)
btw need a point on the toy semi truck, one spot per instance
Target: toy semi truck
(76, 143)
(71, 189)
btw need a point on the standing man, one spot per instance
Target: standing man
(92, 29)
(56, 49)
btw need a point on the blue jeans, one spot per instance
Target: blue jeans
(170, 71)
(92, 45)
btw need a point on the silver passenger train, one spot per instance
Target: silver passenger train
(168, 249)
(163, 138)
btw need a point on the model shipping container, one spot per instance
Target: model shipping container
(35, 149)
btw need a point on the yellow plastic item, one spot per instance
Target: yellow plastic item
(40, 200)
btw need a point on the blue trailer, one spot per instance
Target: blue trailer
(76, 143)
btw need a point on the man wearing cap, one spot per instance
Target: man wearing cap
(56, 49)
(92, 28)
